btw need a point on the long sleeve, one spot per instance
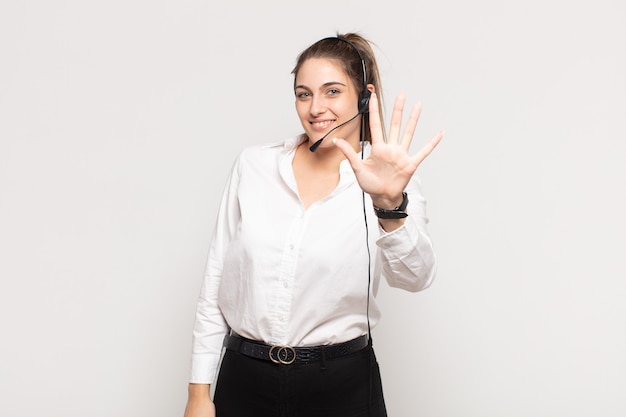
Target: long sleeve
(406, 257)
(210, 326)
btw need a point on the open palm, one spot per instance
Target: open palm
(386, 172)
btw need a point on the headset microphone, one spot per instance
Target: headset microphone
(319, 142)
(364, 100)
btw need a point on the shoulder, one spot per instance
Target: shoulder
(262, 151)
(260, 155)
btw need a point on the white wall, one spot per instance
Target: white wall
(119, 121)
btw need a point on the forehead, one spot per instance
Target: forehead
(318, 71)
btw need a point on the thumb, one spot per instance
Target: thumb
(345, 148)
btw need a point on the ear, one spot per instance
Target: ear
(371, 88)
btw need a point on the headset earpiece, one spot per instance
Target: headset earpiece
(364, 101)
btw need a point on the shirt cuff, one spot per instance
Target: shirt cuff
(399, 242)
(204, 368)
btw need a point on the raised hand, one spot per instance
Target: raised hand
(386, 172)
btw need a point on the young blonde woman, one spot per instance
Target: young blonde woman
(306, 229)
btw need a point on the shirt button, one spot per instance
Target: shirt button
(285, 284)
(282, 319)
(291, 246)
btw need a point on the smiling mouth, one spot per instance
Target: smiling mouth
(322, 125)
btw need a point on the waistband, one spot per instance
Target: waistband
(287, 355)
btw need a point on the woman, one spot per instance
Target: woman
(290, 279)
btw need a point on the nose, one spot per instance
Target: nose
(318, 106)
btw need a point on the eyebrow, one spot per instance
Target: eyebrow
(328, 84)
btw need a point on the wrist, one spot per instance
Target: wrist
(387, 202)
(383, 210)
(198, 390)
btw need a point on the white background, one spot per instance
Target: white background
(119, 122)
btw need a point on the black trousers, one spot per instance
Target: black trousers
(349, 386)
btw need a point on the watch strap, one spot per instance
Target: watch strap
(396, 213)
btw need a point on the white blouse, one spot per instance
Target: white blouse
(284, 275)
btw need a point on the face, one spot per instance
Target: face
(325, 98)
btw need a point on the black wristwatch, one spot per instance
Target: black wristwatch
(397, 213)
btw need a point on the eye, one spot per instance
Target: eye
(333, 91)
(302, 95)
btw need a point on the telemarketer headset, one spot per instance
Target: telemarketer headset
(364, 97)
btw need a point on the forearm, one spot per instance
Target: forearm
(406, 258)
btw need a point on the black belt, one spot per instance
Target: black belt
(287, 355)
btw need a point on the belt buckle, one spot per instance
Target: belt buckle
(284, 355)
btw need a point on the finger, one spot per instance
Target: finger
(428, 148)
(396, 119)
(375, 127)
(411, 124)
(353, 158)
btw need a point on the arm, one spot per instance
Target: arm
(405, 255)
(199, 402)
(210, 326)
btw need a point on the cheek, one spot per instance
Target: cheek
(301, 109)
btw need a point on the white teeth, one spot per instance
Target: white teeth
(321, 124)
